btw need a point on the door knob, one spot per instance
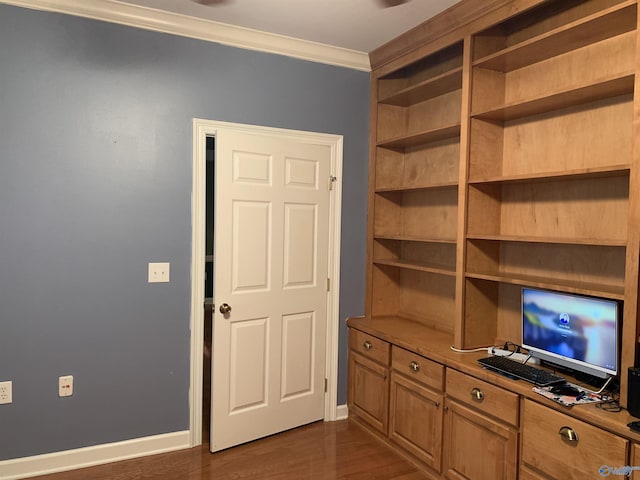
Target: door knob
(225, 308)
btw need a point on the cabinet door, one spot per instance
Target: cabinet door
(476, 447)
(369, 391)
(415, 422)
(635, 461)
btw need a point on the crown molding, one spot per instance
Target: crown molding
(166, 22)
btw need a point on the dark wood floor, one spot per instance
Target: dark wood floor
(335, 450)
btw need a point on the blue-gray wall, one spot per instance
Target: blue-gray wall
(95, 182)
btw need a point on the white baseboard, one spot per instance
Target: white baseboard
(342, 412)
(90, 456)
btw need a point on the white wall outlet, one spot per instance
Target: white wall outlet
(518, 357)
(6, 392)
(159, 272)
(65, 386)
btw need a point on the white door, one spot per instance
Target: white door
(271, 263)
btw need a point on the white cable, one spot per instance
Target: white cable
(471, 350)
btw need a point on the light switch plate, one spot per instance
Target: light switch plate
(159, 272)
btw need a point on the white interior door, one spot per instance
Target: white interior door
(271, 264)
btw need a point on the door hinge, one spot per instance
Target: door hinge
(328, 284)
(325, 385)
(332, 179)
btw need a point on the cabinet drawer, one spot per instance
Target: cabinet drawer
(546, 448)
(483, 396)
(418, 368)
(369, 346)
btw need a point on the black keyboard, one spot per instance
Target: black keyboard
(531, 374)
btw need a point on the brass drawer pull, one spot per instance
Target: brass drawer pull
(568, 434)
(477, 394)
(367, 345)
(414, 366)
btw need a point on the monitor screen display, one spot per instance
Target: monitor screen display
(575, 331)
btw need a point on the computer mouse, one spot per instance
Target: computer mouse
(566, 390)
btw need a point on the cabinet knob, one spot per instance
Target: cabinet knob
(367, 345)
(477, 394)
(437, 404)
(414, 366)
(569, 435)
(446, 409)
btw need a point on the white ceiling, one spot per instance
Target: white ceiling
(360, 25)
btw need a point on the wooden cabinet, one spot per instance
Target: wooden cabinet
(416, 406)
(560, 446)
(369, 379)
(481, 436)
(504, 154)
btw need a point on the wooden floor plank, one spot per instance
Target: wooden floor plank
(320, 451)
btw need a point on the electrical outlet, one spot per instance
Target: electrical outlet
(518, 357)
(159, 272)
(65, 386)
(6, 392)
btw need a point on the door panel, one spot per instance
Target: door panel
(248, 379)
(298, 340)
(271, 250)
(251, 245)
(300, 236)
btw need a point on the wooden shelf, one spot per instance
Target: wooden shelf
(422, 138)
(584, 288)
(404, 238)
(595, 172)
(605, 24)
(606, 88)
(562, 241)
(418, 266)
(433, 87)
(434, 186)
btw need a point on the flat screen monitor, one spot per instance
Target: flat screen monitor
(575, 331)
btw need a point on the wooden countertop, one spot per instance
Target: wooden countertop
(436, 346)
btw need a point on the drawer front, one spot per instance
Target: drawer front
(563, 447)
(418, 368)
(369, 346)
(483, 396)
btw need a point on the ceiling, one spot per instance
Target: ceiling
(359, 25)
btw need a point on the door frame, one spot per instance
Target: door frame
(210, 128)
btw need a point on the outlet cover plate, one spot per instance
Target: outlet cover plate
(65, 386)
(6, 392)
